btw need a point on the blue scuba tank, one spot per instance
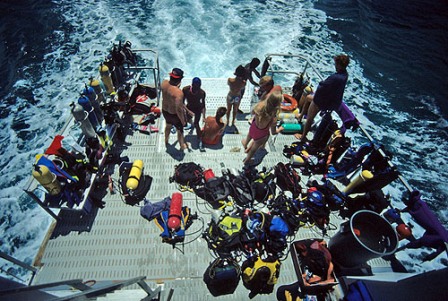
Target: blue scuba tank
(87, 106)
(97, 87)
(90, 93)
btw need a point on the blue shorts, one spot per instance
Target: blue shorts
(232, 99)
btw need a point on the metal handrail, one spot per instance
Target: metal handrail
(268, 61)
(32, 183)
(154, 68)
(86, 291)
(20, 263)
(96, 292)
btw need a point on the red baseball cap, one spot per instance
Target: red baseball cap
(177, 73)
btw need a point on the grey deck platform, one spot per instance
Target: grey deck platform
(119, 244)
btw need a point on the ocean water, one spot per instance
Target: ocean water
(397, 87)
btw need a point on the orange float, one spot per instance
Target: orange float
(289, 103)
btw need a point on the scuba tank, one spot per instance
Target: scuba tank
(87, 106)
(307, 91)
(288, 115)
(81, 117)
(134, 175)
(96, 85)
(106, 79)
(90, 93)
(175, 214)
(47, 179)
(297, 160)
(359, 179)
(291, 127)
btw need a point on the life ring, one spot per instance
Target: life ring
(289, 103)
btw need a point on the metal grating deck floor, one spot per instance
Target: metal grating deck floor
(120, 244)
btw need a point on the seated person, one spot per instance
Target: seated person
(316, 263)
(213, 128)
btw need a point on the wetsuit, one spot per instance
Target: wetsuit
(328, 95)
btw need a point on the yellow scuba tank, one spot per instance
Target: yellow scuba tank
(297, 160)
(106, 79)
(359, 179)
(307, 91)
(47, 179)
(134, 175)
(288, 116)
(95, 84)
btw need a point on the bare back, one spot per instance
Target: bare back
(236, 85)
(173, 100)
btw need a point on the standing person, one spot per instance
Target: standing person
(249, 70)
(328, 95)
(195, 97)
(236, 85)
(265, 119)
(267, 87)
(173, 108)
(213, 128)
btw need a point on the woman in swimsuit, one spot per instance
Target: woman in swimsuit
(236, 85)
(265, 119)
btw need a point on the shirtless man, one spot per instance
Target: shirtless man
(173, 108)
(236, 85)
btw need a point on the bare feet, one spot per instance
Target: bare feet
(298, 136)
(184, 146)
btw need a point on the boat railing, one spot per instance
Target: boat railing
(272, 68)
(152, 66)
(85, 291)
(19, 263)
(147, 72)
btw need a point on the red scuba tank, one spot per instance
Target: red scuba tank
(175, 215)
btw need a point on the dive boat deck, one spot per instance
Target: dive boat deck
(116, 243)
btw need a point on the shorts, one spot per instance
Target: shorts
(232, 99)
(174, 120)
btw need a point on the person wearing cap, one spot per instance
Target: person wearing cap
(267, 87)
(236, 85)
(173, 108)
(328, 95)
(195, 97)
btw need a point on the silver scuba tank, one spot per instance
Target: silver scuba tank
(81, 116)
